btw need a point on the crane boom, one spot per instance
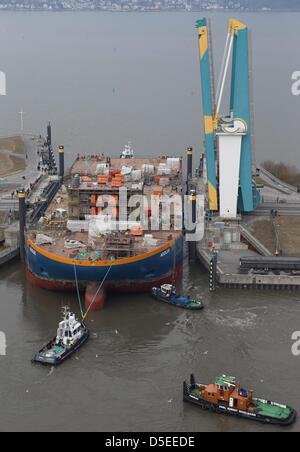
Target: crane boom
(208, 112)
(241, 108)
(230, 184)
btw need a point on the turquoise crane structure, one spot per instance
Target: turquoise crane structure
(228, 141)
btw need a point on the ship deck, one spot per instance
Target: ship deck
(86, 165)
(78, 202)
(110, 247)
(272, 411)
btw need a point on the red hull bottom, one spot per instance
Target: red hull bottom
(94, 299)
(130, 287)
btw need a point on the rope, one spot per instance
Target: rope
(94, 299)
(78, 293)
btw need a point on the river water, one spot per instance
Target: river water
(104, 79)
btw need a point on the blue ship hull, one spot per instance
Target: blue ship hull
(138, 273)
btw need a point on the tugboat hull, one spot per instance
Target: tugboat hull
(41, 357)
(191, 307)
(225, 410)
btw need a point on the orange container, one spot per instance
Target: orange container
(93, 211)
(158, 192)
(116, 183)
(102, 180)
(119, 176)
(136, 231)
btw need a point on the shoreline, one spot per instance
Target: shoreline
(208, 11)
(13, 156)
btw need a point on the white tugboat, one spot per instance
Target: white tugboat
(71, 335)
(128, 152)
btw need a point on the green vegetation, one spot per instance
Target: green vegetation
(14, 145)
(287, 173)
(289, 234)
(11, 156)
(11, 165)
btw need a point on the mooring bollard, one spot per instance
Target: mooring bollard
(22, 222)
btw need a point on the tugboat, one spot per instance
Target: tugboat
(71, 335)
(225, 396)
(167, 293)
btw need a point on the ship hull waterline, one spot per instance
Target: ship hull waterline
(137, 274)
(40, 359)
(221, 409)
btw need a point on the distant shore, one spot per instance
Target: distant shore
(192, 11)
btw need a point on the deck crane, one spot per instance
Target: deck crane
(230, 185)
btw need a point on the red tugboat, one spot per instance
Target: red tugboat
(226, 397)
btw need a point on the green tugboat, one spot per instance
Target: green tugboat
(225, 396)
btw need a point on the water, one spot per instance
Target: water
(104, 79)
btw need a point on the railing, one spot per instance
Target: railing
(40, 227)
(276, 233)
(254, 242)
(40, 210)
(278, 181)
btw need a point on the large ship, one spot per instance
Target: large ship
(83, 237)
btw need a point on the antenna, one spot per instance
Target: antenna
(251, 88)
(22, 113)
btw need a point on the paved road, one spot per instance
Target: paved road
(282, 209)
(277, 183)
(31, 173)
(277, 190)
(24, 178)
(272, 195)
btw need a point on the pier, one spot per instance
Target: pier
(36, 177)
(231, 241)
(228, 275)
(249, 211)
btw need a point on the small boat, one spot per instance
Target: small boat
(167, 293)
(225, 396)
(71, 335)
